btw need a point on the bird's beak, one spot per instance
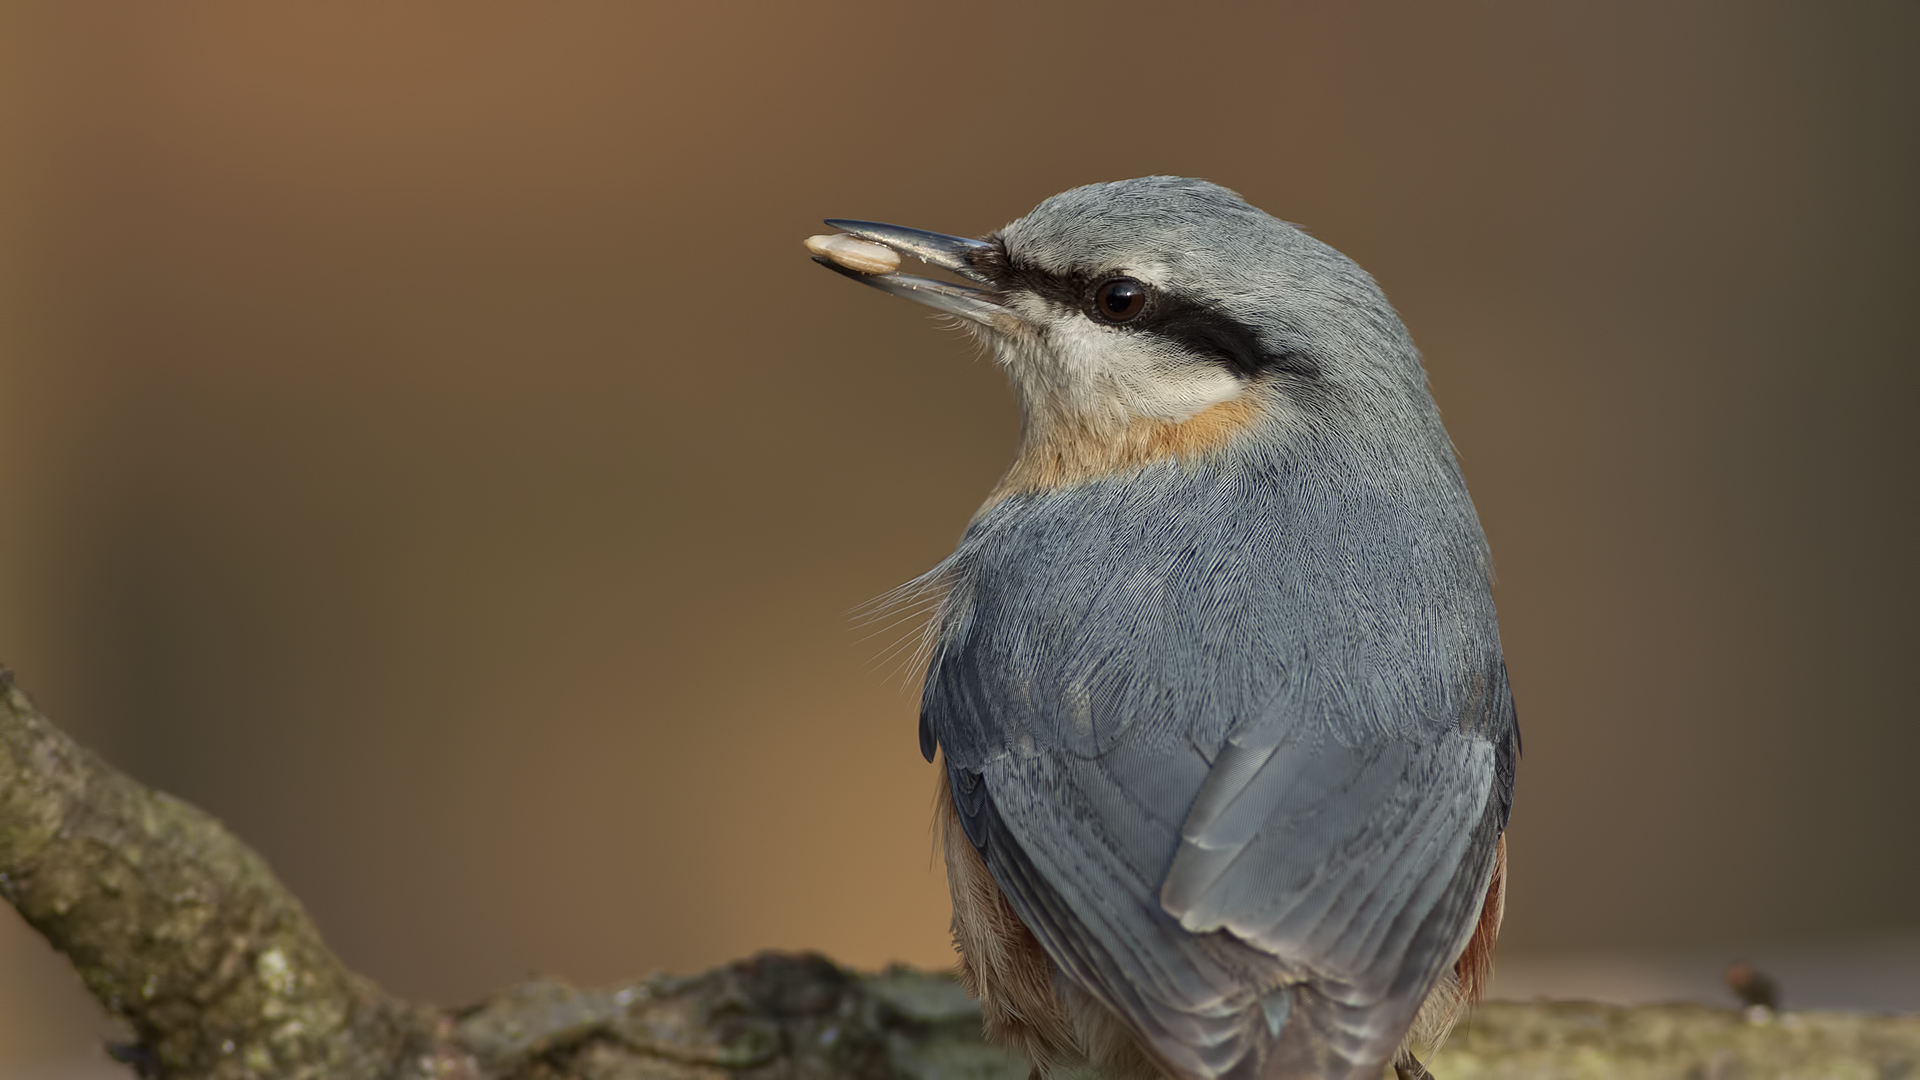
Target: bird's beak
(955, 253)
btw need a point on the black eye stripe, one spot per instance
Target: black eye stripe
(1206, 331)
(1196, 326)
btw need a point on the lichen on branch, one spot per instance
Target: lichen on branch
(173, 925)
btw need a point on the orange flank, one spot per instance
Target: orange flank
(1001, 964)
(1474, 969)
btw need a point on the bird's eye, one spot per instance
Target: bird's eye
(1119, 300)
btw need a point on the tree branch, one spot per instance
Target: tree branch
(182, 931)
(174, 925)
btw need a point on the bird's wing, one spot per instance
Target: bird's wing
(1350, 873)
(1267, 894)
(1359, 864)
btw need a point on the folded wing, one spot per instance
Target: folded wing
(1298, 913)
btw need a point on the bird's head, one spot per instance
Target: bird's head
(1163, 317)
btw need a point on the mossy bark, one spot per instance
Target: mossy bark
(182, 931)
(173, 925)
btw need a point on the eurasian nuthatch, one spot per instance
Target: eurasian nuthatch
(1228, 747)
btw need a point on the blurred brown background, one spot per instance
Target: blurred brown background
(424, 443)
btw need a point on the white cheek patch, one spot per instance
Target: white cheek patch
(1139, 374)
(1106, 373)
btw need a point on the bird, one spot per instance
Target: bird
(1225, 739)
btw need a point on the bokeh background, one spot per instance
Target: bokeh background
(424, 443)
